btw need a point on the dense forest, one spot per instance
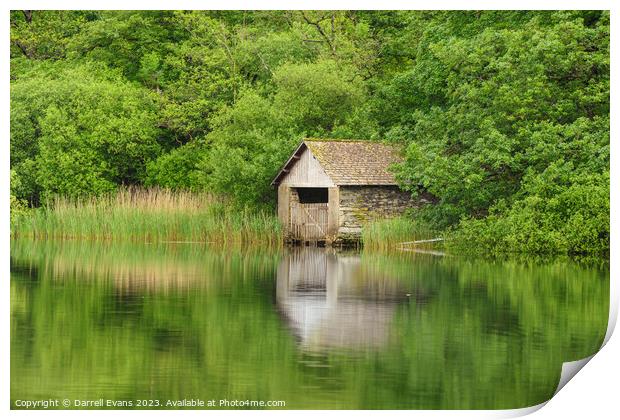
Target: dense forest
(503, 116)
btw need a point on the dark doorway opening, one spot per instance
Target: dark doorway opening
(312, 195)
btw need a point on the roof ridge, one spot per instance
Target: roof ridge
(349, 161)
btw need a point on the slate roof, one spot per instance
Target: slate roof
(349, 162)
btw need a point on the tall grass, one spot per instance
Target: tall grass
(388, 234)
(149, 215)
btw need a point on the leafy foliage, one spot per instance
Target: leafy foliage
(562, 212)
(179, 169)
(490, 117)
(490, 107)
(80, 129)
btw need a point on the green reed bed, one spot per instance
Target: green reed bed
(149, 215)
(389, 234)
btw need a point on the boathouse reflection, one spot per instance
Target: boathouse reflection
(329, 300)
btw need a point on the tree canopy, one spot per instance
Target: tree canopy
(502, 115)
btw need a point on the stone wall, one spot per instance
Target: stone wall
(361, 204)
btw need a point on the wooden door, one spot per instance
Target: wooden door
(309, 221)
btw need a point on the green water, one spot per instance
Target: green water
(314, 328)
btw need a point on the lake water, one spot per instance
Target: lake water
(309, 326)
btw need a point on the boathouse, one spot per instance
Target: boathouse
(328, 189)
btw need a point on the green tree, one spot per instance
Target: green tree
(479, 112)
(45, 34)
(178, 169)
(249, 142)
(318, 96)
(81, 129)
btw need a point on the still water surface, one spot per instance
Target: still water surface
(312, 327)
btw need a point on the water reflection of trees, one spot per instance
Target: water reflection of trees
(445, 332)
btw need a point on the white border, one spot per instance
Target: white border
(593, 394)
